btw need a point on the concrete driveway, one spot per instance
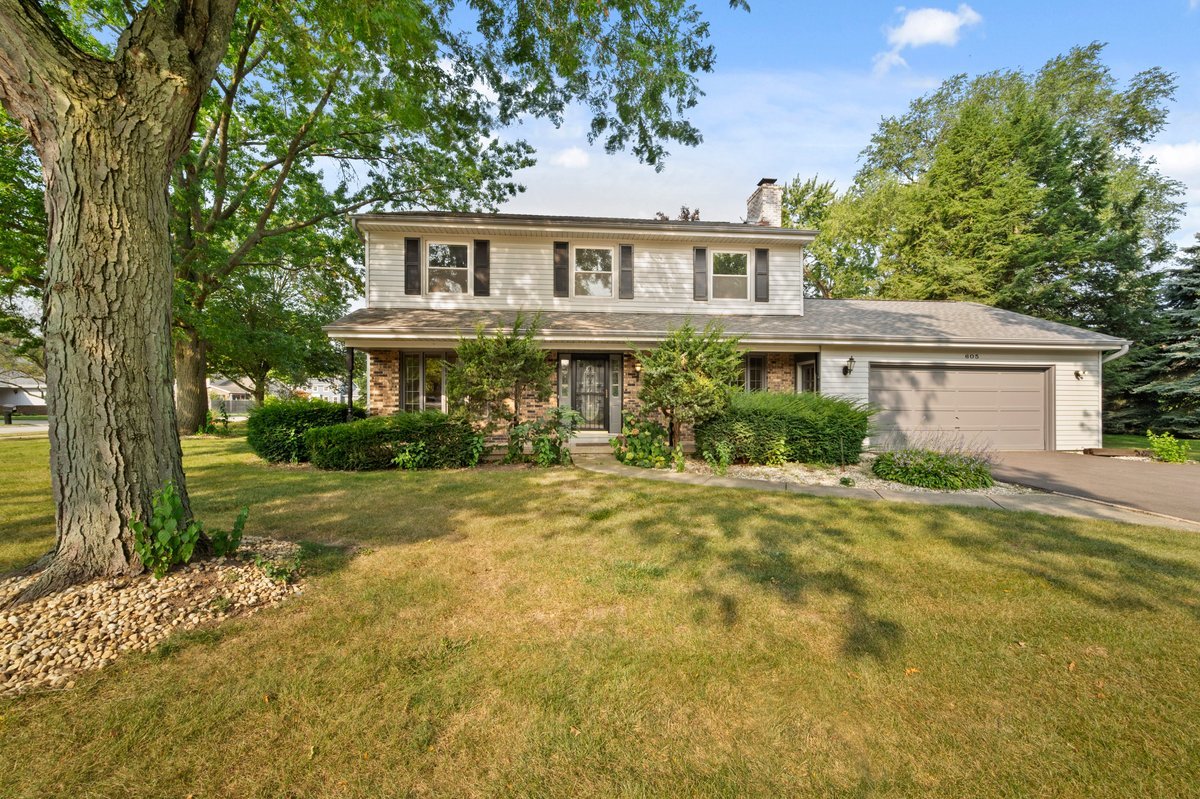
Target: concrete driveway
(1172, 489)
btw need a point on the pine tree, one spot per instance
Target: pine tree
(1176, 360)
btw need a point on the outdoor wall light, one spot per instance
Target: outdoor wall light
(849, 367)
(637, 370)
(1079, 374)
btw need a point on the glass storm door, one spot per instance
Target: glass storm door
(591, 395)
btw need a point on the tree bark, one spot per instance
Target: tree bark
(191, 381)
(108, 133)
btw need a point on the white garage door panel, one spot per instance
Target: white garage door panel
(997, 407)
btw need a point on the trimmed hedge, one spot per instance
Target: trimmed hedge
(275, 431)
(427, 440)
(771, 428)
(945, 471)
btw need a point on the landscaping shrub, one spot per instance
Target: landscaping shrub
(1167, 448)
(642, 443)
(946, 471)
(275, 431)
(549, 438)
(425, 440)
(771, 428)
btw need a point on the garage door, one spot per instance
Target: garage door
(999, 408)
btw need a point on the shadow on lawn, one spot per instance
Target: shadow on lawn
(787, 553)
(1104, 572)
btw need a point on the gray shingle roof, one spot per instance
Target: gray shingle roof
(551, 220)
(824, 322)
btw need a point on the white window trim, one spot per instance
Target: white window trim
(426, 244)
(712, 283)
(614, 273)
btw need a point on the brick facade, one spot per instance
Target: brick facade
(781, 372)
(383, 394)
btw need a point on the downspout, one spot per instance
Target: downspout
(1110, 357)
(1124, 349)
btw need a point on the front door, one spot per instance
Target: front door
(590, 378)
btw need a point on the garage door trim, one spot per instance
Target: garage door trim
(1049, 370)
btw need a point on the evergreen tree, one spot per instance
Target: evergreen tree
(1175, 361)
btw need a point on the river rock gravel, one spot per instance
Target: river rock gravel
(45, 644)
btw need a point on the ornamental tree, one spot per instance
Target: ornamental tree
(490, 374)
(688, 378)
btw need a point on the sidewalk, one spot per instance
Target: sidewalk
(1050, 504)
(24, 429)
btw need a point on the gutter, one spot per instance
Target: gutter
(1113, 356)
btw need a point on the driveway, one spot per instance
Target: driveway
(1172, 489)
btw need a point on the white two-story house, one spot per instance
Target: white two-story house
(605, 287)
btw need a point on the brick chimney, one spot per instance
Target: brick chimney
(765, 205)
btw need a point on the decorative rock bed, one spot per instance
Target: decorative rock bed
(44, 644)
(860, 473)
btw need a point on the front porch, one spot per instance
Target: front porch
(601, 385)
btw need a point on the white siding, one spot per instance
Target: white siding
(1076, 403)
(522, 276)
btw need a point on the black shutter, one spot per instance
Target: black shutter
(562, 264)
(483, 268)
(625, 291)
(700, 274)
(762, 275)
(412, 266)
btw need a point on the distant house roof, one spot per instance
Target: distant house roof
(823, 322)
(19, 380)
(542, 223)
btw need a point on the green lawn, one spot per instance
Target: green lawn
(552, 633)
(1139, 442)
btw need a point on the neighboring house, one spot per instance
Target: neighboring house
(332, 389)
(25, 394)
(945, 369)
(224, 393)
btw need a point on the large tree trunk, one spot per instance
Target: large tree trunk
(191, 381)
(108, 133)
(113, 440)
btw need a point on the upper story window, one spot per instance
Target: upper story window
(730, 275)
(448, 268)
(593, 271)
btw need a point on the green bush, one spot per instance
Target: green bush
(1167, 448)
(275, 431)
(549, 438)
(642, 443)
(425, 440)
(945, 471)
(772, 428)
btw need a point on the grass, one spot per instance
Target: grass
(551, 633)
(1119, 441)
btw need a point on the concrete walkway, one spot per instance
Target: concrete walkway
(1171, 489)
(24, 428)
(1050, 504)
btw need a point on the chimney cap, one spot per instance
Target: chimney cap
(767, 182)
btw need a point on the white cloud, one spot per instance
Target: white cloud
(922, 27)
(1180, 161)
(571, 158)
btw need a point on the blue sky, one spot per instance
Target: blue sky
(799, 88)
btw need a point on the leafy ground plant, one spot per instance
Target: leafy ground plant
(168, 538)
(947, 471)
(643, 442)
(1167, 448)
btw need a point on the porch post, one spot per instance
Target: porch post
(349, 384)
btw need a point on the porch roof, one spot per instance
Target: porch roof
(825, 322)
